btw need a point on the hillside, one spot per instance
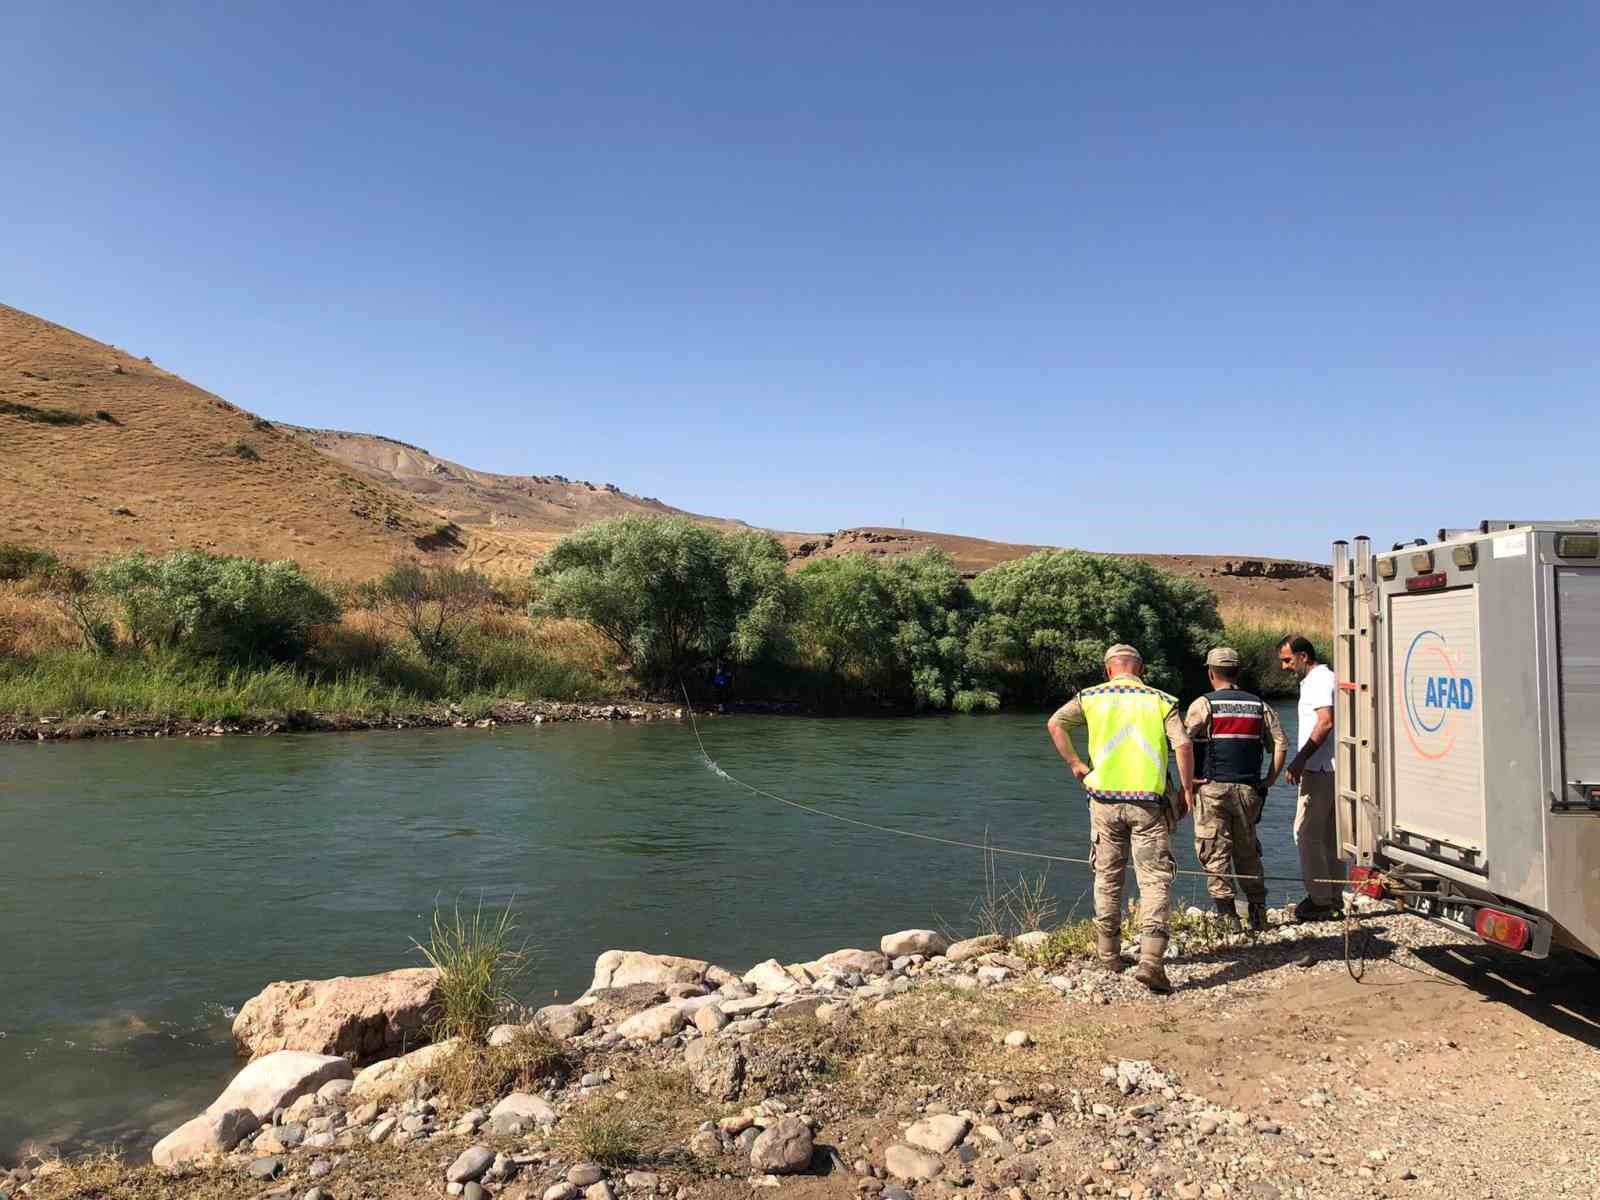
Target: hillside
(103, 452)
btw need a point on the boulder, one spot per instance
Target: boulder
(210, 1135)
(563, 1020)
(530, 1110)
(654, 1024)
(909, 1163)
(278, 1080)
(849, 962)
(470, 1165)
(609, 1005)
(359, 1018)
(716, 1068)
(619, 968)
(974, 946)
(926, 942)
(393, 1076)
(783, 1148)
(938, 1134)
(710, 1019)
(743, 1006)
(770, 977)
(1028, 943)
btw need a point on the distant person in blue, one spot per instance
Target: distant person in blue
(722, 683)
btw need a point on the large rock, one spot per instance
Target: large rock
(716, 1068)
(395, 1076)
(654, 1024)
(210, 1135)
(263, 1087)
(770, 977)
(927, 942)
(278, 1080)
(939, 1134)
(564, 1020)
(470, 1165)
(609, 1005)
(974, 946)
(619, 968)
(783, 1148)
(909, 1163)
(847, 962)
(360, 1018)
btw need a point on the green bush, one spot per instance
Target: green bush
(239, 609)
(1049, 617)
(669, 594)
(433, 605)
(890, 630)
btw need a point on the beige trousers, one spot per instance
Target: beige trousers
(1144, 832)
(1317, 837)
(1225, 817)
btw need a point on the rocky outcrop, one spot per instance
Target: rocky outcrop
(360, 1018)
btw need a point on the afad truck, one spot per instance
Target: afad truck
(1468, 725)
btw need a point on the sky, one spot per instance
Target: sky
(1177, 278)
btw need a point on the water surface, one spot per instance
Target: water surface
(147, 888)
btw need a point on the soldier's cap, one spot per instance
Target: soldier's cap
(1223, 656)
(1123, 650)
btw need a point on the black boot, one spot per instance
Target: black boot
(1229, 914)
(1258, 917)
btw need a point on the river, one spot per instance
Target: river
(148, 888)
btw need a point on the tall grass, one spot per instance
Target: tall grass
(351, 670)
(477, 961)
(1258, 655)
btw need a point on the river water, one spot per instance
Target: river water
(147, 888)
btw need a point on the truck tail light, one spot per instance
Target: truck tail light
(1502, 929)
(1367, 882)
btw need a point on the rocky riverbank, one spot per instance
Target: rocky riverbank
(444, 716)
(991, 1069)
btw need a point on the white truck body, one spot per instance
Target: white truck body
(1468, 727)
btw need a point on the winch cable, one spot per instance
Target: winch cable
(936, 838)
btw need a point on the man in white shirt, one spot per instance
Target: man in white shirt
(1315, 829)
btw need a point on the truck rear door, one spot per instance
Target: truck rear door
(1436, 768)
(1578, 648)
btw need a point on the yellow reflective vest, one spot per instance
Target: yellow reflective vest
(1127, 741)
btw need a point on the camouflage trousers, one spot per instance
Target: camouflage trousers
(1145, 830)
(1225, 816)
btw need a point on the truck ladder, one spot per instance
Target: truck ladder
(1355, 618)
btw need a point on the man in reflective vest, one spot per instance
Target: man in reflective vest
(1230, 728)
(1131, 725)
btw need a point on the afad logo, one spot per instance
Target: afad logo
(1438, 694)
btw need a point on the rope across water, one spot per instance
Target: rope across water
(933, 837)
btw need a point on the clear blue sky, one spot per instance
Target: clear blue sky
(1197, 278)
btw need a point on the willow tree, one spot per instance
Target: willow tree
(1049, 617)
(669, 594)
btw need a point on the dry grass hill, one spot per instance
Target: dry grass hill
(102, 452)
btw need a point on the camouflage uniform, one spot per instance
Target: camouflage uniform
(1226, 816)
(1142, 831)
